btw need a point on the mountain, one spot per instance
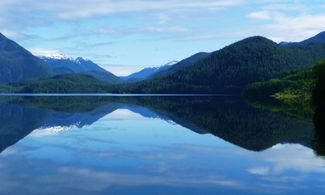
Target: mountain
(18, 64)
(317, 39)
(147, 72)
(229, 70)
(182, 64)
(64, 65)
(232, 68)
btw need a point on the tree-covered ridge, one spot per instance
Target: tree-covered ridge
(319, 91)
(290, 94)
(234, 67)
(182, 64)
(319, 107)
(295, 85)
(298, 94)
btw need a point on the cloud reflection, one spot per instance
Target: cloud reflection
(289, 157)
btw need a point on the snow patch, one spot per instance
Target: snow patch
(171, 63)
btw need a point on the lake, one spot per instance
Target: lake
(157, 145)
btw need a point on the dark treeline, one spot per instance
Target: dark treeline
(319, 104)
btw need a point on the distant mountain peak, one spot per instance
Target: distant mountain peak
(58, 56)
(62, 64)
(148, 72)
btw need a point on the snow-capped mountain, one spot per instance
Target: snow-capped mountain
(62, 64)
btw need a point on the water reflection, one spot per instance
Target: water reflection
(228, 118)
(168, 145)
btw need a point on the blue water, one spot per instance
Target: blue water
(127, 148)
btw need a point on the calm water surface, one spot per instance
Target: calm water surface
(155, 145)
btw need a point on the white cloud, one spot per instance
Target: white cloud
(289, 20)
(283, 6)
(92, 181)
(169, 29)
(260, 15)
(296, 28)
(147, 29)
(289, 157)
(69, 9)
(46, 53)
(10, 33)
(88, 8)
(19, 15)
(287, 26)
(259, 170)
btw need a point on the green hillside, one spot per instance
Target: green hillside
(299, 93)
(233, 68)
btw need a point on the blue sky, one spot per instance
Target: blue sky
(126, 35)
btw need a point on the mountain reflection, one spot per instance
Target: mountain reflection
(228, 118)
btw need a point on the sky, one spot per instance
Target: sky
(124, 36)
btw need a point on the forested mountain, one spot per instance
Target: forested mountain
(317, 39)
(234, 67)
(17, 64)
(229, 70)
(140, 75)
(147, 72)
(65, 65)
(181, 64)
